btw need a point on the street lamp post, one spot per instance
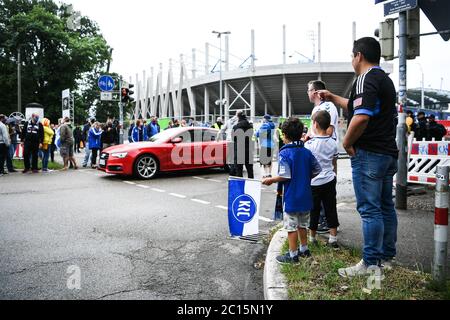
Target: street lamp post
(422, 99)
(301, 55)
(219, 35)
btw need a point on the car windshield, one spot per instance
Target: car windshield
(163, 136)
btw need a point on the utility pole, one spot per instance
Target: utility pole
(402, 174)
(219, 35)
(120, 111)
(19, 82)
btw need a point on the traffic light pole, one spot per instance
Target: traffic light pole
(120, 112)
(402, 174)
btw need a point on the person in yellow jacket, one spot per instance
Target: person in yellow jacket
(48, 136)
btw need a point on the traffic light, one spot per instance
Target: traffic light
(386, 36)
(413, 29)
(127, 93)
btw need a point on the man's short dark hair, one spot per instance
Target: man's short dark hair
(292, 129)
(369, 48)
(421, 113)
(317, 85)
(323, 119)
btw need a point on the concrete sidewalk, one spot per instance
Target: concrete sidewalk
(415, 244)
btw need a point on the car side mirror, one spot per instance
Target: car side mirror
(177, 140)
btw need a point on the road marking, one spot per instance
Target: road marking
(142, 186)
(214, 180)
(222, 207)
(201, 201)
(177, 195)
(265, 219)
(199, 178)
(158, 190)
(129, 182)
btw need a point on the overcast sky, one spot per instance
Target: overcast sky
(145, 33)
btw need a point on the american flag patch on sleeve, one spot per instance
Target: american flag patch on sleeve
(357, 102)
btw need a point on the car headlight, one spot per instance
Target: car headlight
(120, 155)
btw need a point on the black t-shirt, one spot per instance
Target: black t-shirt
(373, 94)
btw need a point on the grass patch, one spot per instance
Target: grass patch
(18, 164)
(317, 278)
(268, 238)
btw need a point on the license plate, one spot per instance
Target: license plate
(102, 162)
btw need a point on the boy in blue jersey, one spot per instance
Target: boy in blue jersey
(297, 167)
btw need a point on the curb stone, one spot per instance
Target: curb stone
(275, 286)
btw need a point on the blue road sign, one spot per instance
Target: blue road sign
(106, 83)
(397, 6)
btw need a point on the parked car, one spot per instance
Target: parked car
(174, 149)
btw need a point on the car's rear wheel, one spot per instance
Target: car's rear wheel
(146, 167)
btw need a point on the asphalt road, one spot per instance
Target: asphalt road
(123, 238)
(131, 239)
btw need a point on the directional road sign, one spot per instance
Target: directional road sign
(106, 83)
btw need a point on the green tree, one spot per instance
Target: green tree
(54, 57)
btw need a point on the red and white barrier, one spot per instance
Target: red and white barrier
(19, 152)
(424, 157)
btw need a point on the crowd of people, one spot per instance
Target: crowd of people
(40, 139)
(425, 128)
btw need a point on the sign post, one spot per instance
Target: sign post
(120, 111)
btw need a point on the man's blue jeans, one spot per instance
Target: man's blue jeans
(373, 181)
(87, 154)
(45, 156)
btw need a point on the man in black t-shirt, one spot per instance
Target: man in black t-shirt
(370, 142)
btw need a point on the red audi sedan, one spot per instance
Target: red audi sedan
(170, 150)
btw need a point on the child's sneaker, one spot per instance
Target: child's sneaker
(287, 259)
(305, 254)
(333, 245)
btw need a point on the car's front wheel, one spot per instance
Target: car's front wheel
(146, 167)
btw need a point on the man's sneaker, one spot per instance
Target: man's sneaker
(26, 171)
(287, 259)
(359, 269)
(323, 228)
(333, 245)
(84, 165)
(305, 254)
(388, 264)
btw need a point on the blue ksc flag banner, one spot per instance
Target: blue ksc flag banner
(244, 198)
